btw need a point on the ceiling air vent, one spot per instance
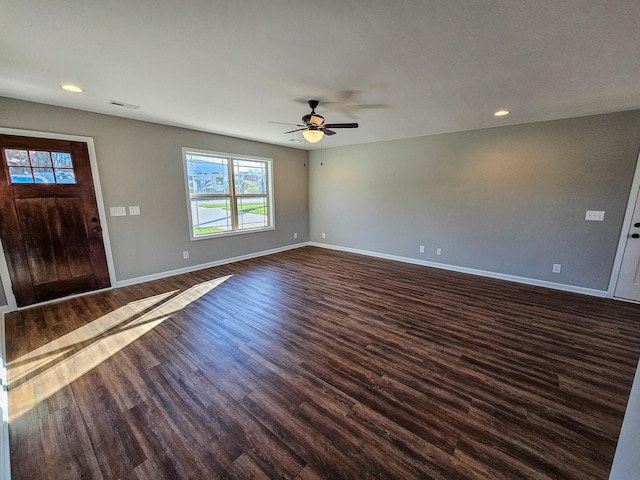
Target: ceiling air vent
(122, 104)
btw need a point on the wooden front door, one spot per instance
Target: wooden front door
(49, 222)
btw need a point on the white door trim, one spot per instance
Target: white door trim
(5, 464)
(4, 271)
(626, 225)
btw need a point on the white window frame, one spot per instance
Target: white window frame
(232, 196)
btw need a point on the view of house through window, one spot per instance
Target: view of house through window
(227, 194)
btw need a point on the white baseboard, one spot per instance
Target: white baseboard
(443, 266)
(472, 271)
(5, 466)
(194, 268)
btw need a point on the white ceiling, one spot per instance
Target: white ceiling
(401, 68)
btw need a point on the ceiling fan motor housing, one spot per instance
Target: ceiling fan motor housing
(314, 122)
(313, 119)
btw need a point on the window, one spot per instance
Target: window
(227, 194)
(33, 166)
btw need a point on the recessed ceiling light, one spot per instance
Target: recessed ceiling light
(71, 88)
(501, 113)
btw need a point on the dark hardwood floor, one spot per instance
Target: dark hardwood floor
(313, 364)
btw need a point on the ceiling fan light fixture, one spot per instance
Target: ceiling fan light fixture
(313, 136)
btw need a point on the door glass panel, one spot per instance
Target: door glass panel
(40, 159)
(65, 175)
(20, 175)
(44, 175)
(17, 157)
(61, 160)
(39, 166)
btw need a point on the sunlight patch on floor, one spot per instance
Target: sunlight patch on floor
(41, 373)
(47, 354)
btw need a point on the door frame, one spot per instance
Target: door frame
(4, 270)
(626, 225)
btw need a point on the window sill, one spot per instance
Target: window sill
(230, 234)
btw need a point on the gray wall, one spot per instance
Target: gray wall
(140, 163)
(508, 200)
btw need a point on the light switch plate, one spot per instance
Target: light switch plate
(134, 210)
(594, 216)
(118, 211)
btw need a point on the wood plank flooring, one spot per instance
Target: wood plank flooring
(315, 364)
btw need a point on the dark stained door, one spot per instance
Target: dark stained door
(49, 220)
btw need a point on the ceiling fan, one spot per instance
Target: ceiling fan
(313, 126)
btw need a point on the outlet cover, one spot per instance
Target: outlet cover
(324, 235)
(594, 216)
(118, 211)
(295, 235)
(185, 254)
(135, 210)
(557, 268)
(438, 251)
(421, 248)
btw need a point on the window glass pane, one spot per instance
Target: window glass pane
(211, 215)
(65, 175)
(20, 175)
(44, 175)
(16, 157)
(40, 159)
(250, 177)
(227, 194)
(207, 174)
(253, 213)
(61, 160)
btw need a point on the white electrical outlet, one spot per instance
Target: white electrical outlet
(324, 235)
(557, 268)
(135, 210)
(295, 235)
(421, 248)
(594, 216)
(118, 211)
(438, 251)
(185, 254)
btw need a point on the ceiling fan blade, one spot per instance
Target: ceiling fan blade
(341, 125)
(282, 123)
(328, 132)
(297, 130)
